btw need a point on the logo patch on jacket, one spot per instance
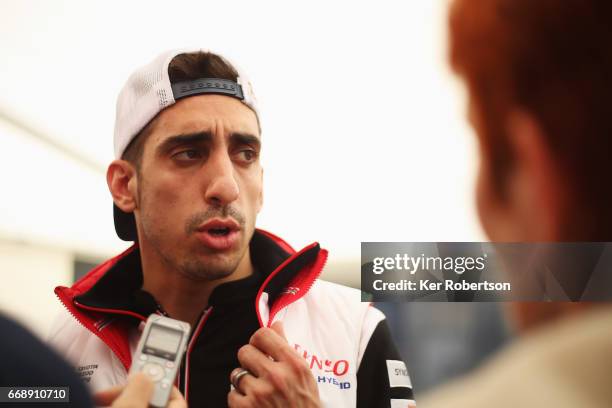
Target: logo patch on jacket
(326, 371)
(398, 374)
(86, 371)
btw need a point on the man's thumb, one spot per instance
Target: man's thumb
(137, 392)
(278, 328)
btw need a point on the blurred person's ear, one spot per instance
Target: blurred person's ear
(122, 183)
(531, 206)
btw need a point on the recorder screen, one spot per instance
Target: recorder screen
(163, 341)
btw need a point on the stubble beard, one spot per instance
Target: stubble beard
(193, 264)
(199, 270)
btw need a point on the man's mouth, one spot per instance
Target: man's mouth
(219, 234)
(219, 231)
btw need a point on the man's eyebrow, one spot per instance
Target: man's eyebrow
(183, 139)
(245, 138)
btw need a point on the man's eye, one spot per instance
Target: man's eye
(190, 154)
(247, 155)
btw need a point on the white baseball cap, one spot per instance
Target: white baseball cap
(148, 91)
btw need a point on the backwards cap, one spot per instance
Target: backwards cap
(147, 92)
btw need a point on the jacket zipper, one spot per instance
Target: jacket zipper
(303, 291)
(318, 269)
(191, 344)
(92, 329)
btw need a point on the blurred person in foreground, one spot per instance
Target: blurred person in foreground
(187, 184)
(539, 79)
(28, 362)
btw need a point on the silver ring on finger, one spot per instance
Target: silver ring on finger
(236, 377)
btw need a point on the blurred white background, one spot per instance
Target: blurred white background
(363, 126)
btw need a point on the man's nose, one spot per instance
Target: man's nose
(222, 187)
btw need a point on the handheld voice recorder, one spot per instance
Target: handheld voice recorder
(159, 353)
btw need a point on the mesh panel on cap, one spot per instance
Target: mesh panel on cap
(143, 81)
(163, 98)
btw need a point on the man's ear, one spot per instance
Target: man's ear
(535, 183)
(123, 185)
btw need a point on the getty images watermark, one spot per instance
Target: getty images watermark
(482, 271)
(413, 264)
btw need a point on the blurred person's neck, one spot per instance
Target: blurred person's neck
(530, 315)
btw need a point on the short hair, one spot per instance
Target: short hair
(183, 67)
(552, 58)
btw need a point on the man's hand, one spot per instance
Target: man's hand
(278, 377)
(135, 394)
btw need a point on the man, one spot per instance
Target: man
(538, 74)
(187, 188)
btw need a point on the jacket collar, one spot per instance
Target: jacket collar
(288, 277)
(115, 286)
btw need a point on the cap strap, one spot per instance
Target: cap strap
(207, 86)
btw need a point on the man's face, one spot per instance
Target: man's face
(200, 186)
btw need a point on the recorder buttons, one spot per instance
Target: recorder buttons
(154, 371)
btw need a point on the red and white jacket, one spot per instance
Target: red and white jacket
(326, 323)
